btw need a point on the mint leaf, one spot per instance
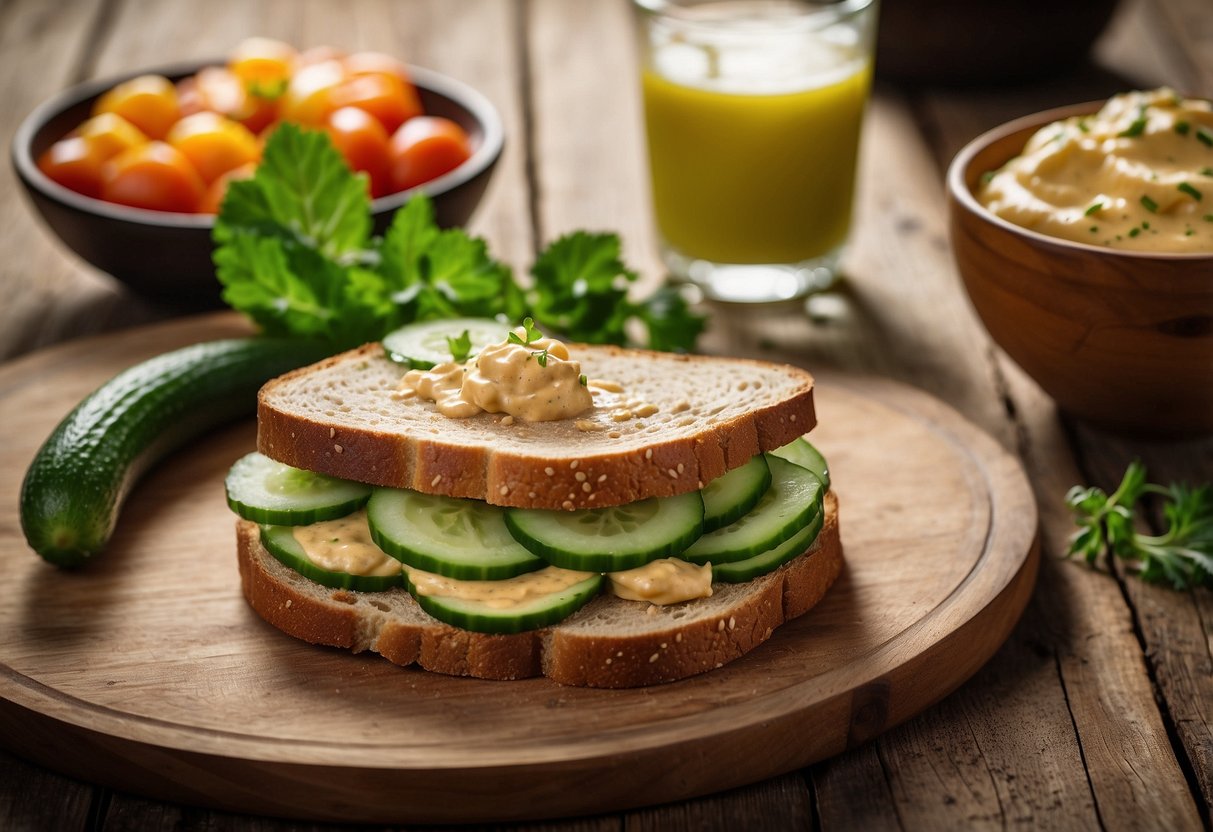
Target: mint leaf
(671, 324)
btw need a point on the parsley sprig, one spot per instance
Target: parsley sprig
(460, 347)
(1182, 555)
(295, 252)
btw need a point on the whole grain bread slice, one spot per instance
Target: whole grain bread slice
(609, 643)
(341, 417)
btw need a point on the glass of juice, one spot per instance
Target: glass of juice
(753, 111)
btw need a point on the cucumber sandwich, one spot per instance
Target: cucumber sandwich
(519, 507)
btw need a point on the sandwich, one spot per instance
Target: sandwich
(494, 503)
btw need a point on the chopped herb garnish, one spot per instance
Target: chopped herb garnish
(583, 381)
(1082, 126)
(987, 177)
(528, 327)
(460, 347)
(541, 357)
(1094, 228)
(1189, 232)
(1206, 171)
(1182, 128)
(1208, 218)
(267, 90)
(1190, 191)
(1145, 226)
(1149, 204)
(1095, 206)
(1137, 127)
(1133, 232)
(1204, 136)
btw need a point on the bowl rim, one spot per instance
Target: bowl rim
(963, 194)
(469, 98)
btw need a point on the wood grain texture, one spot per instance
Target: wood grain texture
(938, 568)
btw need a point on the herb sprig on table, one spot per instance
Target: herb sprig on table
(295, 253)
(1181, 556)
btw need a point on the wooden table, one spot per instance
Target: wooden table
(1096, 712)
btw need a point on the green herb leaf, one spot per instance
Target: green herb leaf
(1204, 136)
(1137, 127)
(460, 347)
(1149, 204)
(1181, 556)
(1190, 191)
(268, 90)
(542, 357)
(1094, 207)
(583, 381)
(1183, 128)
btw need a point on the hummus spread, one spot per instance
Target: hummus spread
(664, 581)
(1136, 175)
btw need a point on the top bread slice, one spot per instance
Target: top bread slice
(340, 417)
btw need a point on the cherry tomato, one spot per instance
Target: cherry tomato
(213, 144)
(110, 134)
(149, 102)
(426, 147)
(385, 97)
(213, 198)
(376, 63)
(262, 61)
(309, 96)
(153, 175)
(219, 90)
(363, 142)
(74, 163)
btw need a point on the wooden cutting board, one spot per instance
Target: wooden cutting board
(146, 671)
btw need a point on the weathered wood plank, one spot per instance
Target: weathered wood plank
(780, 803)
(852, 792)
(34, 799)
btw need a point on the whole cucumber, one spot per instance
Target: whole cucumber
(76, 485)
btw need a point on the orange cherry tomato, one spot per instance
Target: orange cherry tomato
(213, 198)
(213, 144)
(385, 97)
(426, 147)
(189, 99)
(308, 98)
(376, 63)
(110, 134)
(153, 175)
(363, 142)
(262, 61)
(219, 90)
(149, 102)
(74, 163)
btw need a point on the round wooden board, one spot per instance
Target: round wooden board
(146, 671)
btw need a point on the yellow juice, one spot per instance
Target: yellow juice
(754, 178)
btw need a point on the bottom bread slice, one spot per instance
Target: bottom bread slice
(609, 643)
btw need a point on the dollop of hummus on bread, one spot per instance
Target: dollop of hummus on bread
(535, 381)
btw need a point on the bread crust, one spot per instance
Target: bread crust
(574, 652)
(580, 476)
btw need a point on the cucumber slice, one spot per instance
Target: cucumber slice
(740, 571)
(610, 539)
(464, 539)
(787, 507)
(727, 498)
(800, 452)
(493, 616)
(265, 491)
(280, 542)
(421, 346)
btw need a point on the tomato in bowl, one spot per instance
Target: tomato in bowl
(141, 235)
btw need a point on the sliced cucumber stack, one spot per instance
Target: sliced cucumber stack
(265, 491)
(800, 452)
(464, 539)
(512, 605)
(740, 571)
(789, 505)
(280, 542)
(728, 498)
(610, 539)
(422, 346)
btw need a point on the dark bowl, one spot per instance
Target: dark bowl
(167, 256)
(1120, 339)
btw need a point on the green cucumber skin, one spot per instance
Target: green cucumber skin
(504, 623)
(77, 482)
(740, 571)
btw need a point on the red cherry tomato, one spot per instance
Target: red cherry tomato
(74, 163)
(213, 198)
(426, 147)
(386, 97)
(213, 144)
(149, 102)
(153, 175)
(363, 142)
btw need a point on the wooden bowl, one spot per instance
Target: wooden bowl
(167, 256)
(1120, 339)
